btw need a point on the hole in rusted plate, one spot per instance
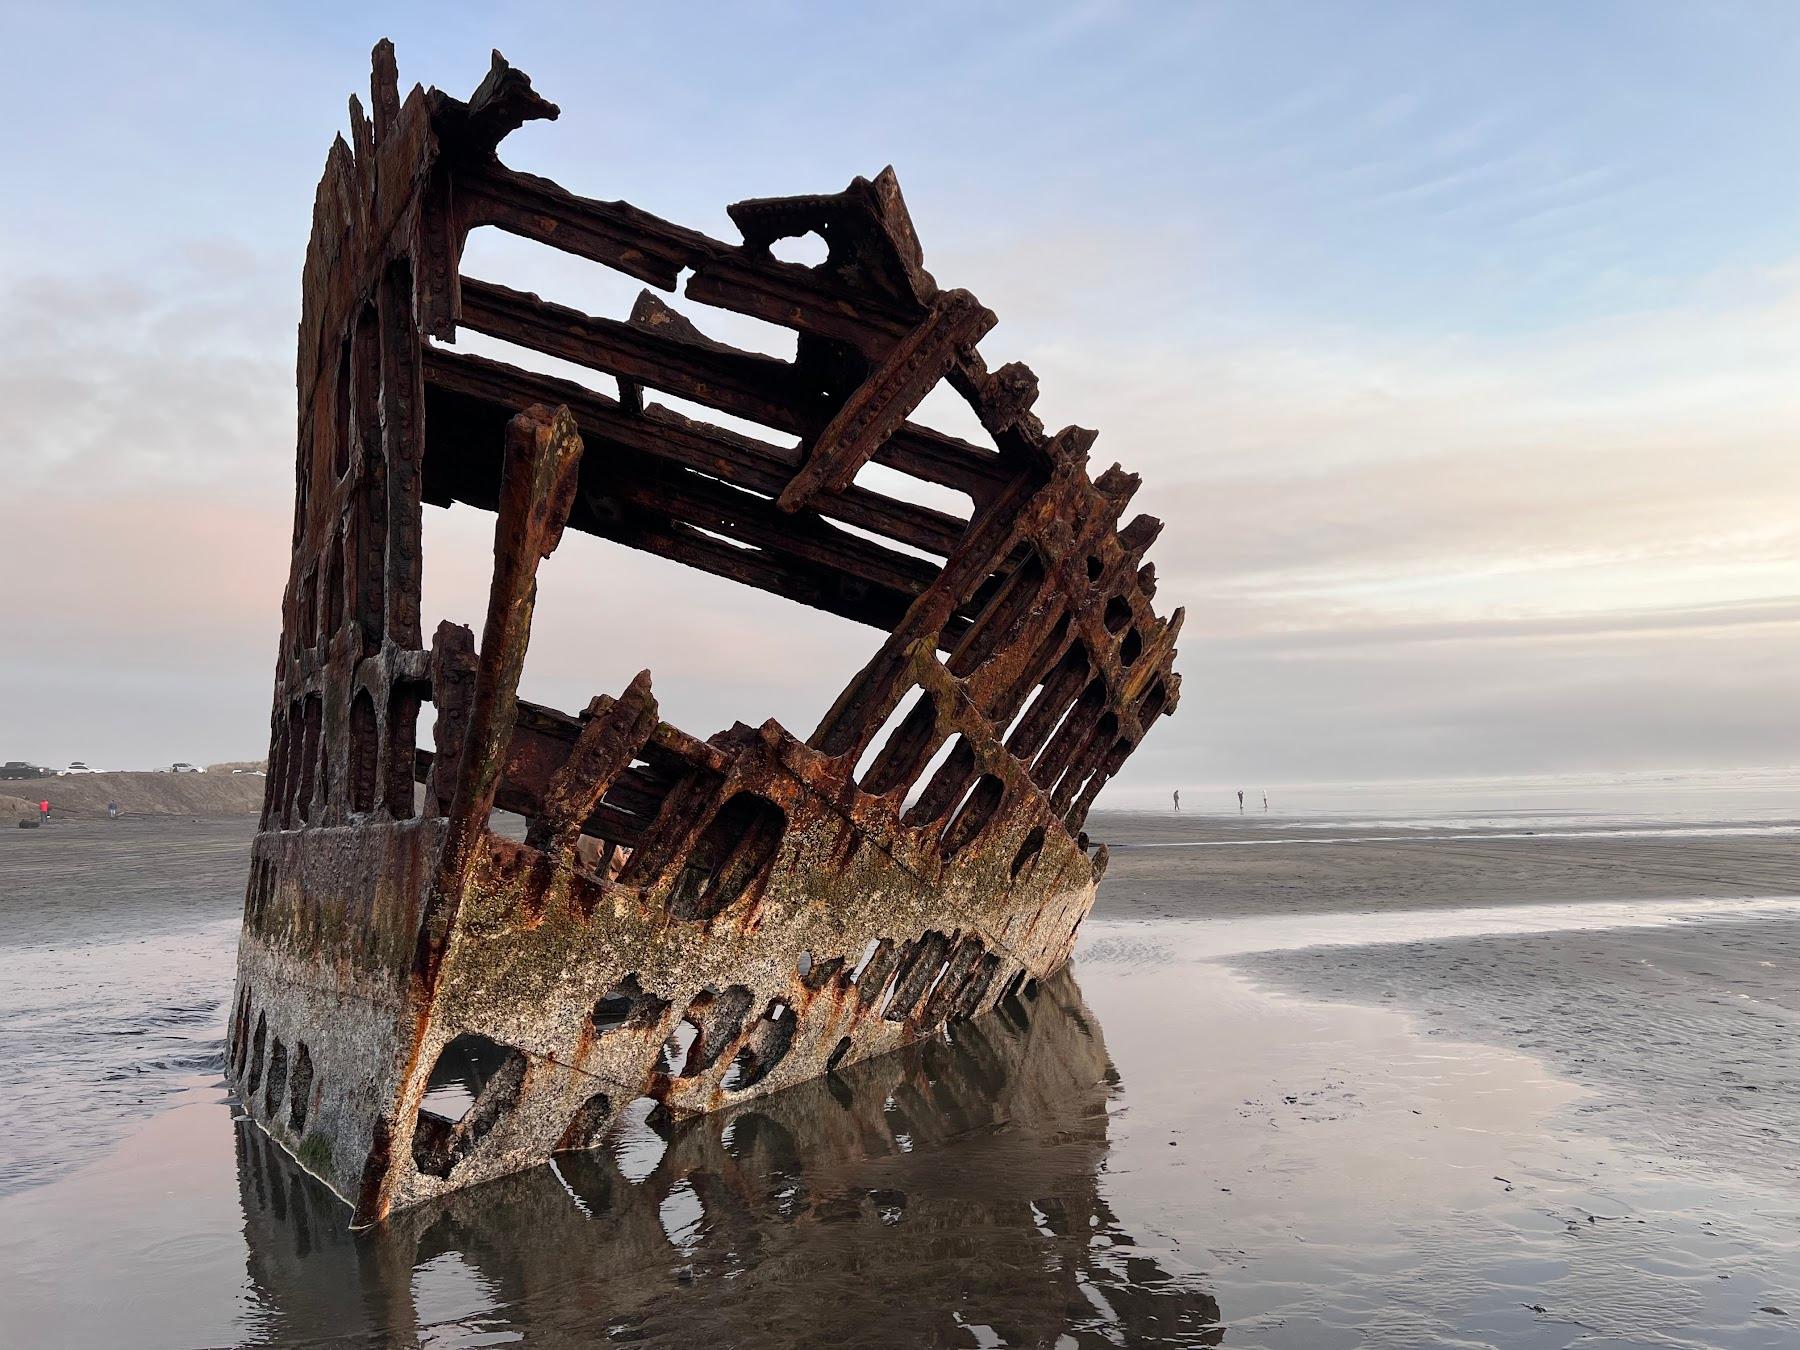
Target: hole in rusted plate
(273, 1097)
(975, 987)
(465, 1066)
(738, 843)
(256, 1056)
(340, 447)
(771, 1037)
(610, 1013)
(675, 1048)
(627, 1005)
(1028, 851)
(807, 250)
(868, 955)
(309, 753)
(474, 1082)
(818, 974)
(588, 1126)
(955, 766)
(300, 1094)
(365, 749)
(899, 749)
(240, 1030)
(920, 967)
(716, 1019)
(977, 809)
(333, 618)
(1131, 648)
(995, 626)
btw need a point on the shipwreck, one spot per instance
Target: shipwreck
(424, 1002)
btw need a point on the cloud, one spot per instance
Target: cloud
(1464, 553)
(175, 373)
(1398, 557)
(1623, 463)
(1673, 621)
(1401, 552)
(1459, 707)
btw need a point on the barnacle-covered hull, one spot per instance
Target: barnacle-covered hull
(424, 1002)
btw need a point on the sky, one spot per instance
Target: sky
(1458, 346)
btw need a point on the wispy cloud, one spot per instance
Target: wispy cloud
(176, 372)
(1461, 355)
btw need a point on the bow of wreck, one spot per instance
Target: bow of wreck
(423, 1003)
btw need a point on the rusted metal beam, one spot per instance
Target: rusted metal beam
(537, 488)
(745, 384)
(676, 359)
(654, 251)
(879, 407)
(612, 737)
(483, 390)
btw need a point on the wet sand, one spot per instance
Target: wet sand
(1193, 866)
(1375, 1093)
(118, 938)
(1681, 1030)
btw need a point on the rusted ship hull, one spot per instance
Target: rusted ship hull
(820, 1217)
(696, 922)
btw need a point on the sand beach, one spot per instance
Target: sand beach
(1314, 1081)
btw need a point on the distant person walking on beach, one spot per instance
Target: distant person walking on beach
(1177, 801)
(44, 813)
(1265, 801)
(1240, 801)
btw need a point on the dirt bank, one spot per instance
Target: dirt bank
(138, 794)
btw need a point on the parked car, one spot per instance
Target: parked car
(15, 769)
(185, 768)
(75, 766)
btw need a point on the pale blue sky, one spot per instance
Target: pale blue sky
(1457, 344)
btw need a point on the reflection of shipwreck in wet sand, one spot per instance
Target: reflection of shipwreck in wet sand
(944, 1195)
(692, 921)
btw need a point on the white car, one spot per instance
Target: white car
(185, 768)
(75, 766)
